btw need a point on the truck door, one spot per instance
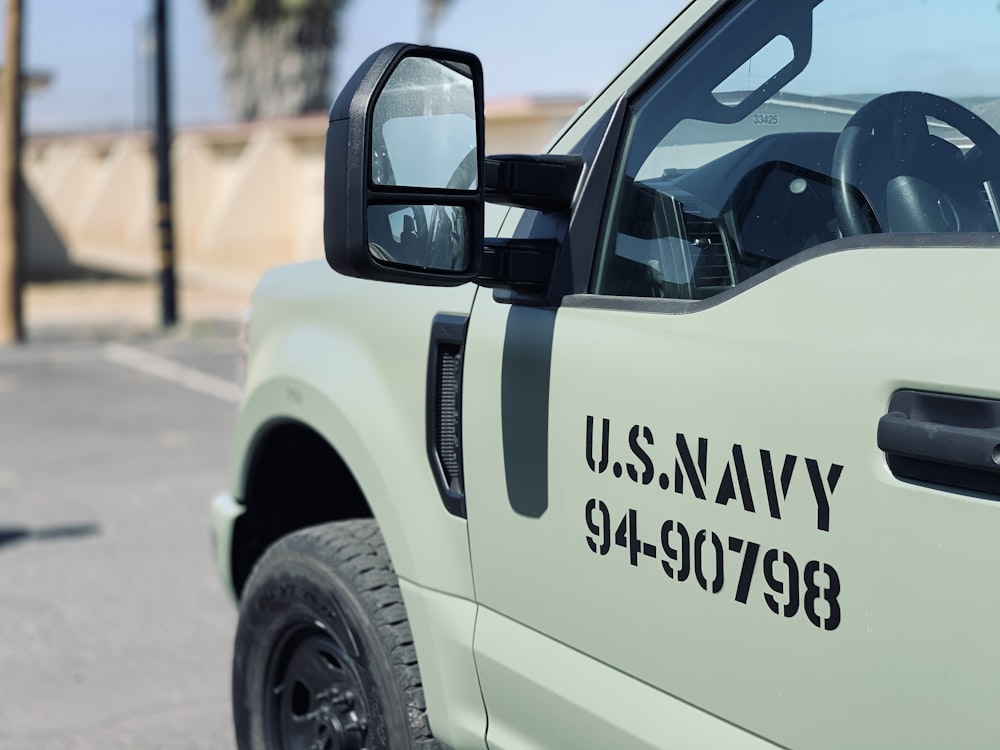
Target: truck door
(743, 485)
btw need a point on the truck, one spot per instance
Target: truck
(685, 433)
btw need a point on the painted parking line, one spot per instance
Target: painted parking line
(45, 356)
(174, 372)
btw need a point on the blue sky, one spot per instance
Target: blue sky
(528, 47)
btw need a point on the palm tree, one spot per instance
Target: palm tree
(276, 53)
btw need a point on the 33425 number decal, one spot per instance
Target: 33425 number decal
(812, 589)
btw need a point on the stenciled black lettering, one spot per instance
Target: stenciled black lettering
(627, 535)
(703, 536)
(681, 555)
(697, 477)
(599, 529)
(829, 593)
(727, 490)
(791, 607)
(747, 569)
(823, 490)
(769, 485)
(598, 467)
(640, 453)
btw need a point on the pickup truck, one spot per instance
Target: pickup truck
(685, 433)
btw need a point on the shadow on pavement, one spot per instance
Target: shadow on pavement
(12, 535)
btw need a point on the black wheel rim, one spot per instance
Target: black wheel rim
(315, 693)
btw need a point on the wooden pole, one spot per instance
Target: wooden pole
(11, 254)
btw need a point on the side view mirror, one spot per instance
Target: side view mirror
(404, 190)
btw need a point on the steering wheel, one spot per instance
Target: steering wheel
(893, 174)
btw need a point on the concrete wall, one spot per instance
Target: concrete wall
(247, 196)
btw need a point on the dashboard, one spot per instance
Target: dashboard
(771, 198)
(692, 234)
(704, 230)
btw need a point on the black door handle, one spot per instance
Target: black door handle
(950, 444)
(942, 439)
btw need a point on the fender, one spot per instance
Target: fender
(348, 358)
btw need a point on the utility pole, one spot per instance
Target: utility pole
(164, 204)
(11, 255)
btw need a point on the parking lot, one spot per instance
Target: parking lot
(114, 630)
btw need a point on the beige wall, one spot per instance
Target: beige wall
(247, 196)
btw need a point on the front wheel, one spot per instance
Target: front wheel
(324, 658)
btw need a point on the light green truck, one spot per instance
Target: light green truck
(700, 447)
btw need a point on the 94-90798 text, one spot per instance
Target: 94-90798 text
(700, 556)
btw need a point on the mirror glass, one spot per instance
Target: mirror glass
(424, 127)
(421, 236)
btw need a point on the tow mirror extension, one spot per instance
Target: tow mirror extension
(541, 183)
(545, 183)
(517, 264)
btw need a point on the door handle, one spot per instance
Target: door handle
(932, 441)
(943, 439)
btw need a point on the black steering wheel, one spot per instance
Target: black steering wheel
(893, 174)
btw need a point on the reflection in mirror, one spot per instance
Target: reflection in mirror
(424, 127)
(422, 236)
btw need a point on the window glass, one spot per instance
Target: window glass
(791, 124)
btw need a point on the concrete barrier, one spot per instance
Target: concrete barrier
(247, 196)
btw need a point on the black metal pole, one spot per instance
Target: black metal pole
(164, 205)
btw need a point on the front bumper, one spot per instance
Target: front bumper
(225, 510)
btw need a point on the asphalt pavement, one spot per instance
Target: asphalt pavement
(114, 435)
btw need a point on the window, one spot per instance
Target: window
(791, 124)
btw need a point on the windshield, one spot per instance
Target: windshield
(852, 52)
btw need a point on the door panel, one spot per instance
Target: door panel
(579, 703)
(801, 592)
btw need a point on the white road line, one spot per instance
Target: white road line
(167, 369)
(27, 356)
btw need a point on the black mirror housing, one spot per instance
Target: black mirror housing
(404, 194)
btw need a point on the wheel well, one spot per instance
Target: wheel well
(295, 479)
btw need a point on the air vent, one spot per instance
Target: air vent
(449, 370)
(713, 269)
(989, 196)
(444, 409)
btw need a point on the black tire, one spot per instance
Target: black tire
(324, 658)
